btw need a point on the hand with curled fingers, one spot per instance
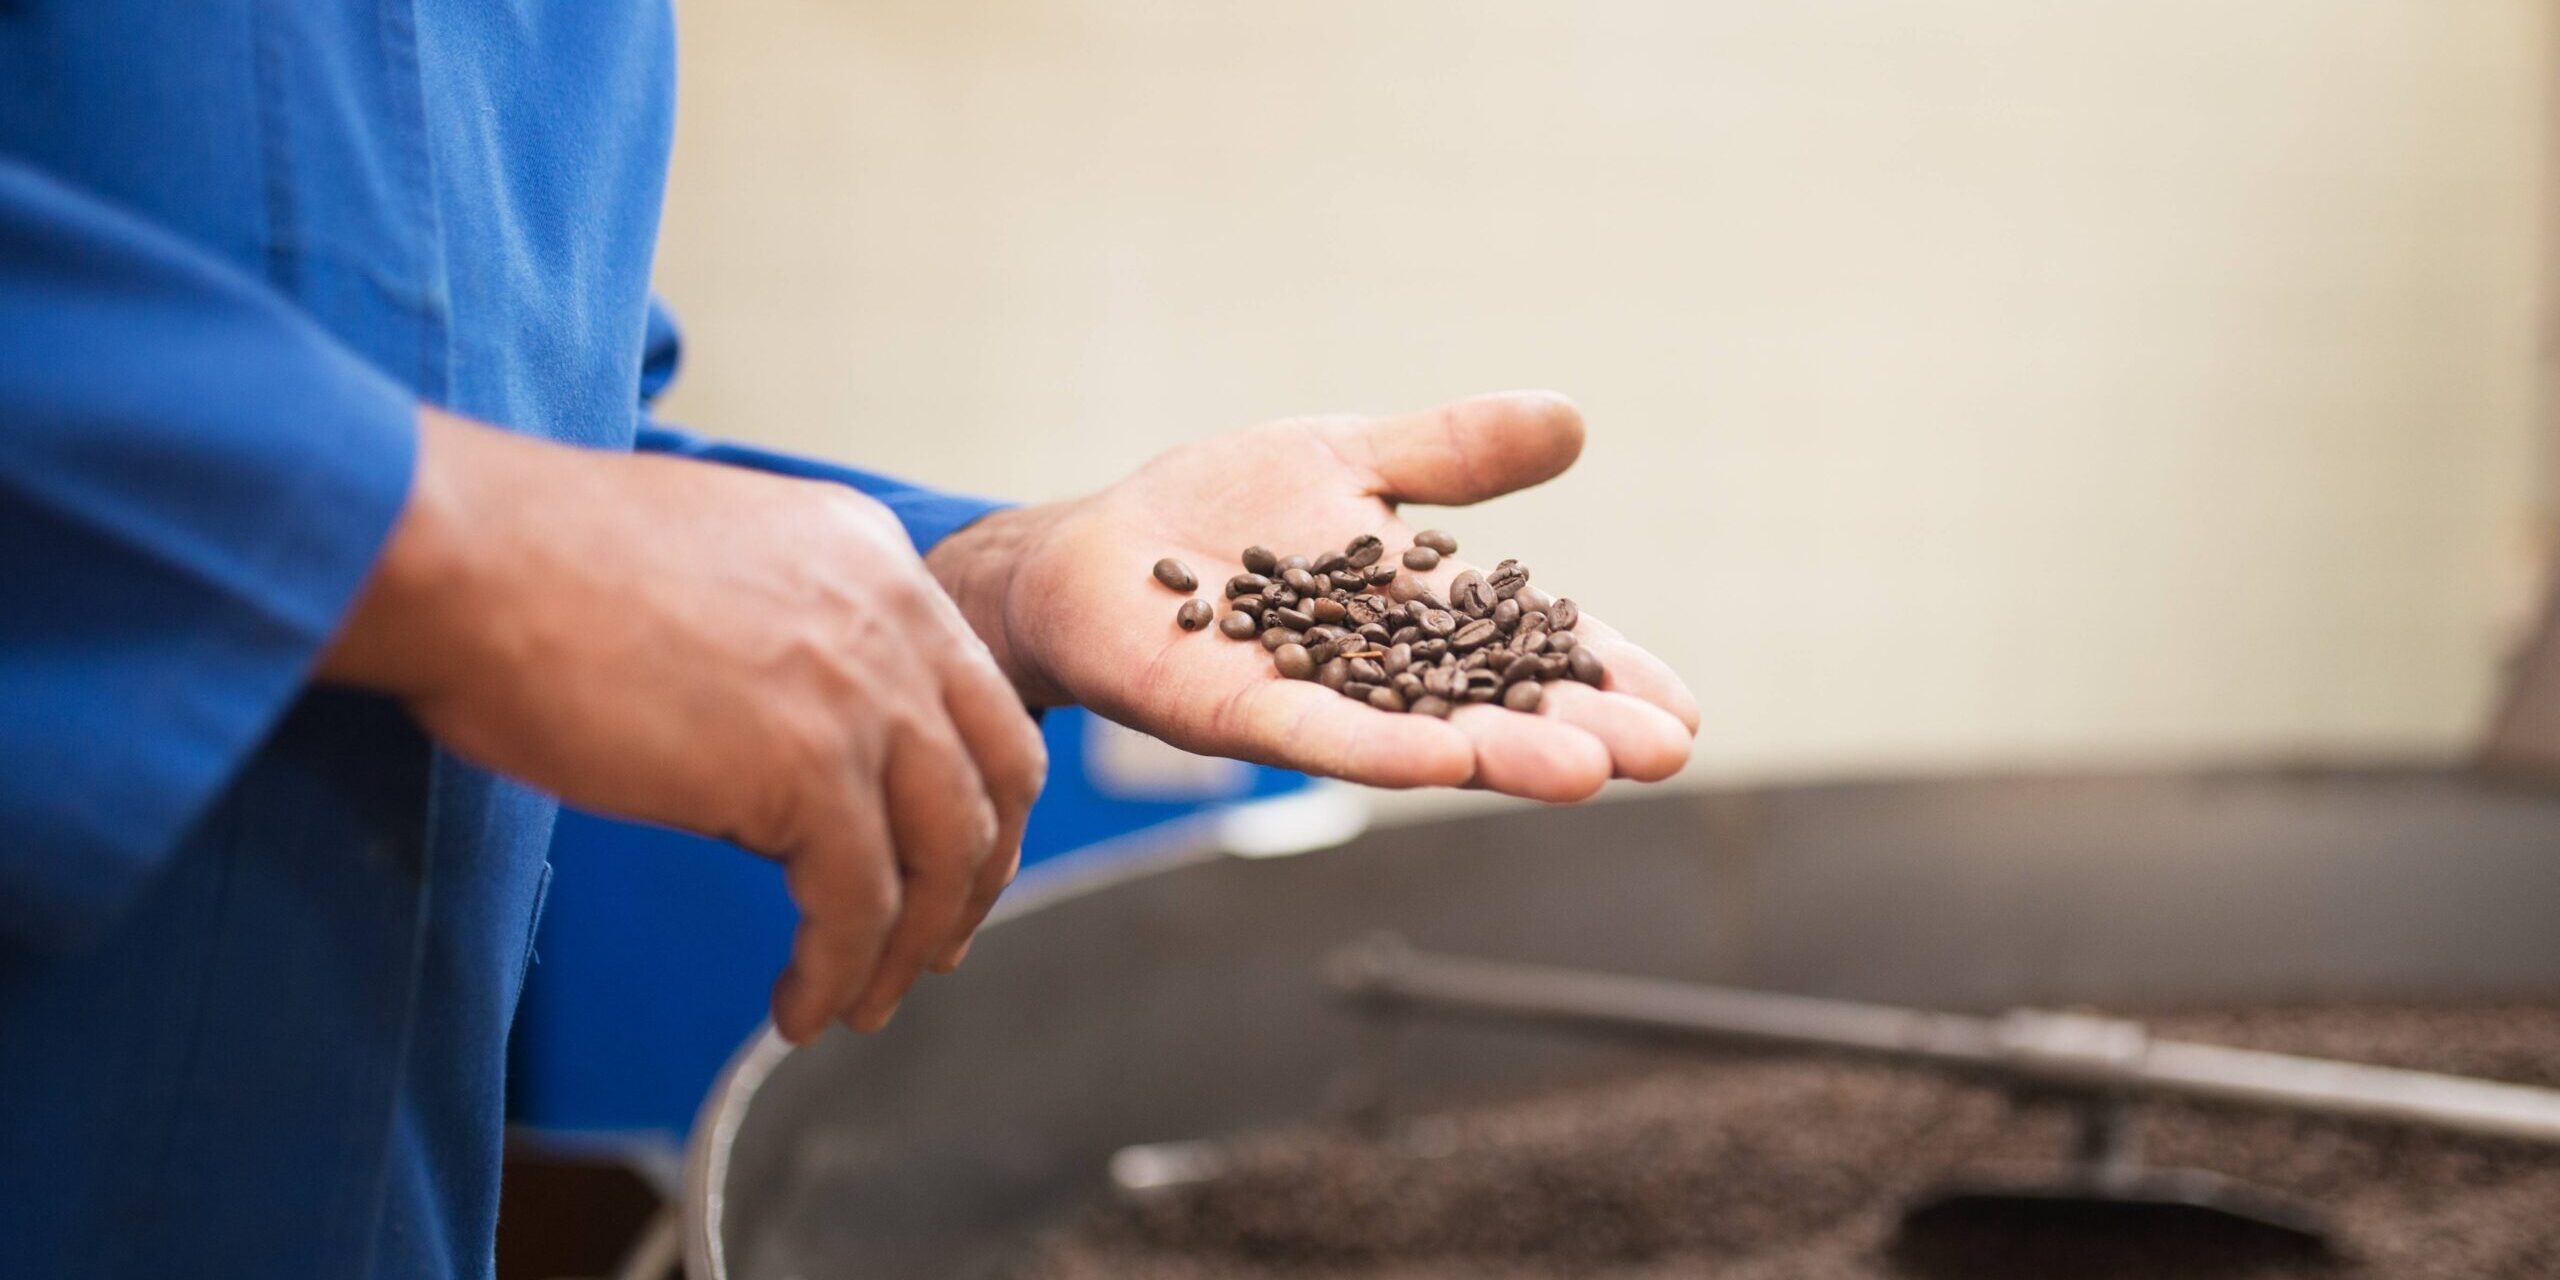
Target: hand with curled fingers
(732, 653)
(1063, 595)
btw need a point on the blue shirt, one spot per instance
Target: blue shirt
(259, 943)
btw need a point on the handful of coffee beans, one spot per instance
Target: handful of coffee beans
(1370, 630)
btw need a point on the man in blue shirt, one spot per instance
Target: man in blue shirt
(339, 540)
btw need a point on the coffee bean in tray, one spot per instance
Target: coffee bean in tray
(1357, 623)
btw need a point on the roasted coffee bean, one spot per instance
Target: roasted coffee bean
(1362, 613)
(1506, 579)
(1347, 579)
(1404, 635)
(1473, 635)
(1175, 574)
(1398, 658)
(1438, 623)
(1326, 631)
(1329, 561)
(1333, 675)
(1476, 661)
(1562, 641)
(1534, 600)
(1278, 593)
(1436, 540)
(1358, 690)
(1430, 650)
(1524, 696)
(1259, 559)
(1386, 699)
(1506, 615)
(1430, 599)
(1439, 680)
(1368, 670)
(1237, 626)
(1194, 614)
(1249, 604)
(1405, 589)
(1246, 584)
(1469, 595)
(1274, 637)
(1326, 609)
(1381, 574)
(1300, 581)
(1562, 615)
(1293, 619)
(1421, 559)
(1429, 705)
(1528, 641)
(1364, 550)
(1292, 562)
(1406, 683)
(1293, 661)
(1553, 667)
(1376, 634)
(1584, 665)
(1524, 667)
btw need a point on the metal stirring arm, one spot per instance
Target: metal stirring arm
(2066, 1050)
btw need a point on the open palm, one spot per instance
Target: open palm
(1086, 623)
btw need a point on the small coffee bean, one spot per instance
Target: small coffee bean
(1430, 705)
(1293, 661)
(1368, 670)
(1553, 667)
(1246, 584)
(1534, 600)
(1524, 667)
(1436, 540)
(1406, 683)
(1333, 675)
(1348, 579)
(1358, 691)
(1438, 623)
(1398, 658)
(1364, 550)
(1326, 609)
(1506, 614)
(1506, 579)
(1430, 599)
(1299, 580)
(1469, 595)
(1292, 562)
(1175, 574)
(1237, 626)
(1275, 637)
(1405, 589)
(1524, 696)
(1562, 641)
(1194, 614)
(1562, 615)
(1259, 559)
(1293, 619)
(1473, 635)
(1439, 680)
(1375, 634)
(1430, 650)
(1278, 593)
(1585, 665)
(1329, 561)
(1404, 635)
(1421, 559)
(1381, 574)
(1386, 699)
(1326, 631)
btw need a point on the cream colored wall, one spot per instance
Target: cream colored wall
(1971, 381)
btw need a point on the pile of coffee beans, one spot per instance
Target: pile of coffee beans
(1374, 630)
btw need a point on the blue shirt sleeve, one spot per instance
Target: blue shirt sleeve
(929, 515)
(194, 481)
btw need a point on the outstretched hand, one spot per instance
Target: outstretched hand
(1063, 596)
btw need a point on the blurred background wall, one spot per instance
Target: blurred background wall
(1972, 382)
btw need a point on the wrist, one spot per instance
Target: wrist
(394, 638)
(980, 566)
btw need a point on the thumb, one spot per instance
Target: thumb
(1466, 451)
